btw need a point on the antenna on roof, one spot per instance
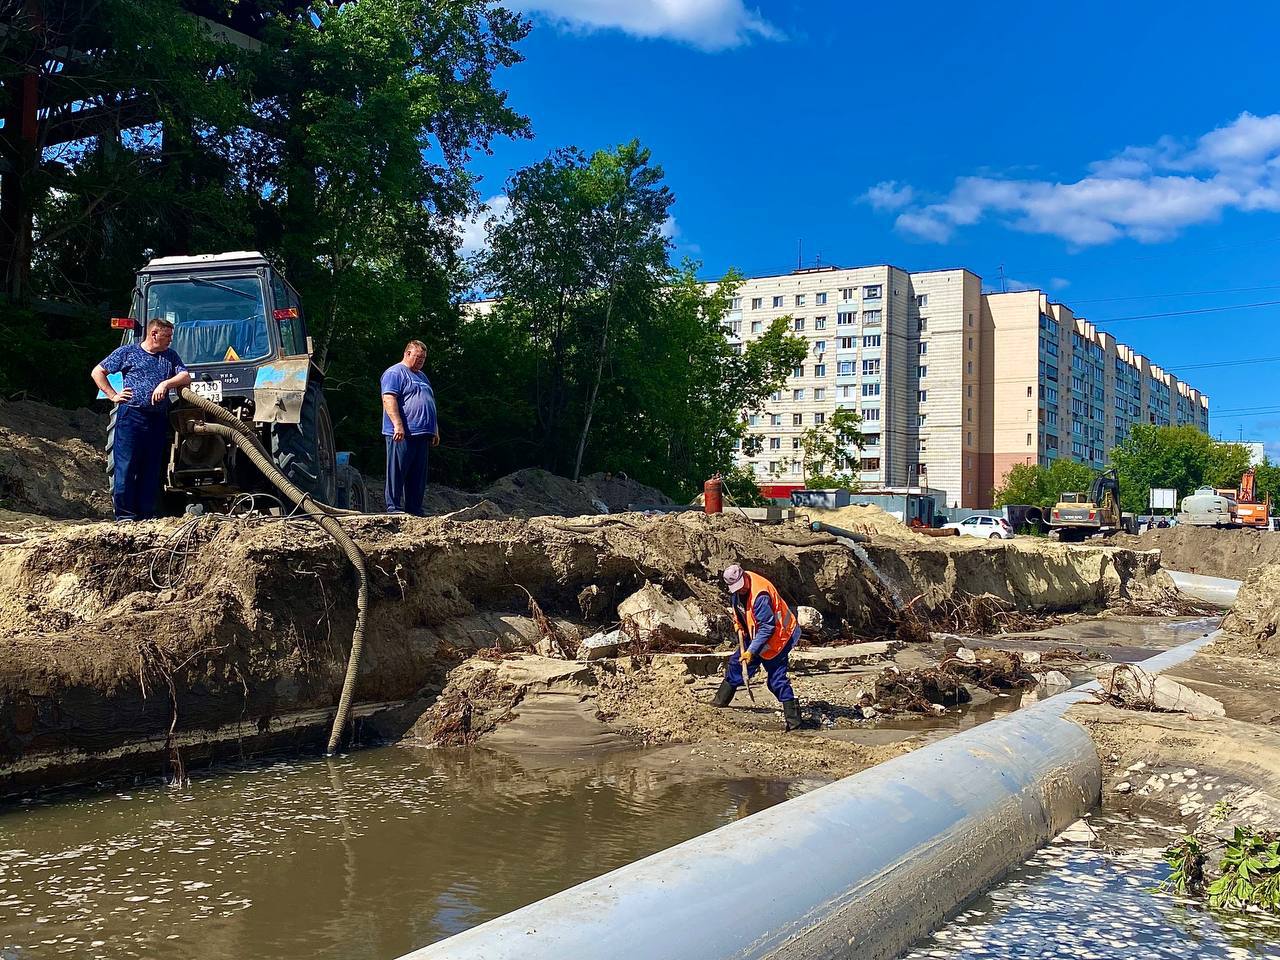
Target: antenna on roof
(800, 253)
(1004, 286)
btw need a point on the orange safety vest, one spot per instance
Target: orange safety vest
(784, 619)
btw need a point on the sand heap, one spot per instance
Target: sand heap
(52, 461)
(1252, 628)
(1209, 551)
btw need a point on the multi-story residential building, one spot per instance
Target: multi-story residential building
(1054, 386)
(954, 386)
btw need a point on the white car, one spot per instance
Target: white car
(988, 528)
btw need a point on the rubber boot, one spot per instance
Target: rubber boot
(724, 694)
(791, 712)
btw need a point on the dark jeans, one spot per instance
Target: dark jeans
(141, 441)
(775, 670)
(407, 473)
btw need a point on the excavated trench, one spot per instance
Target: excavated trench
(220, 636)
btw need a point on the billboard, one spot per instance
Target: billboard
(1164, 498)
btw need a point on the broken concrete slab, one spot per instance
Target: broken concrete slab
(656, 613)
(600, 645)
(690, 664)
(835, 658)
(1054, 678)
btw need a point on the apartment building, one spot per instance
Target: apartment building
(902, 349)
(1054, 386)
(954, 386)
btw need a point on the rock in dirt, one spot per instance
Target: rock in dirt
(660, 618)
(1054, 678)
(1130, 686)
(601, 645)
(810, 619)
(965, 655)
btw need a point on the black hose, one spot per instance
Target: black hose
(819, 527)
(244, 438)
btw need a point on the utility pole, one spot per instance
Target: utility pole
(1004, 286)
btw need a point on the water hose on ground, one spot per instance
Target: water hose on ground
(230, 428)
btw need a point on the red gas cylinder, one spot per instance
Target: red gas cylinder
(712, 498)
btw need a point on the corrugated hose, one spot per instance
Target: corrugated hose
(231, 428)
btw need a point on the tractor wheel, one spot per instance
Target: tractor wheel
(304, 451)
(352, 493)
(111, 447)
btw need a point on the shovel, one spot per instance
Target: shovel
(746, 680)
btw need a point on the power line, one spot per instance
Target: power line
(1188, 293)
(1183, 313)
(1225, 363)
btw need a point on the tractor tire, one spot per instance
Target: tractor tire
(352, 492)
(111, 446)
(305, 451)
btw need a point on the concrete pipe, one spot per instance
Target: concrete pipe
(860, 868)
(1215, 590)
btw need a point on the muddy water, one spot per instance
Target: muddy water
(1095, 893)
(368, 856)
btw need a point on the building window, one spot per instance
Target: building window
(819, 298)
(776, 396)
(756, 326)
(775, 419)
(846, 393)
(797, 324)
(870, 463)
(1030, 440)
(775, 443)
(846, 294)
(871, 389)
(870, 368)
(777, 302)
(757, 303)
(819, 370)
(819, 323)
(820, 393)
(735, 327)
(968, 438)
(775, 466)
(797, 419)
(872, 440)
(970, 347)
(795, 442)
(971, 319)
(819, 346)
(923, 396)
(795, 467)
(798, 371)
(871, 318)
(922, 372)
(799, 299)
(844, 318)
(797, 394)
(922, 445)
(1028, 391)
(922, 300)
(922, 419)
(844, 367)
(753, 420)
(968, 414)
(924, 349)
(922, 325)
(872, 340)
(819, 419)
(969, 367)
(872, 292)
(846, 343)
(735, 303)
(968, 390)
(871, 414)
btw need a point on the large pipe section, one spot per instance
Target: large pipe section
(857, 870)
(1214, 590)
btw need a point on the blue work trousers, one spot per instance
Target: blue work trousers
(141, 442)
(407, 473)
(775, 670)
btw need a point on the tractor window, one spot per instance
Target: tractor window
(215, 320)
(293, 330)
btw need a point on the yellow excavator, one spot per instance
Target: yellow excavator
(1079, 515)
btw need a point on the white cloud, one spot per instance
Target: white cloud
(1146, 193)
(472, 231)
(671, 231)
(1059, 283)
(887, 195)
(706, 24)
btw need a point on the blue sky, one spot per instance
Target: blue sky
(1123, 157)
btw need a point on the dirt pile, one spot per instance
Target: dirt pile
(52, 461)
(1208, 551)
(868, 519)
(112, 634)
(1252, 628)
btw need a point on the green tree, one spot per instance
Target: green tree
(1040, 486)
(829, 443)
(1183, 458)
(1268, 483)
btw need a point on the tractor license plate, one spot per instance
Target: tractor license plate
(209, 389)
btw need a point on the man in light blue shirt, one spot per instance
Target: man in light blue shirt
(410, 428)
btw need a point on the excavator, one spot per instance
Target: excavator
(1250, 511)
(1079, 515)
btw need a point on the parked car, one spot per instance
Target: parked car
(988, 528)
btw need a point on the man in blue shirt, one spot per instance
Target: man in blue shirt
(410, 428)
(150, 370)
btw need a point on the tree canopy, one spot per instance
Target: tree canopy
(1040, 486)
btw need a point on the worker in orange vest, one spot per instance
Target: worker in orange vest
(767, 630)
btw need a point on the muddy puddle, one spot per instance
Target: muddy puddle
(1095, 893)
(367, 856)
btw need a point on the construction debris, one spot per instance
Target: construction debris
(659, 619)
(810, 620)
(1128, 685)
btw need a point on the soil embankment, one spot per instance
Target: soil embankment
(1209, 551)
(166, 632)
(52, 462)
